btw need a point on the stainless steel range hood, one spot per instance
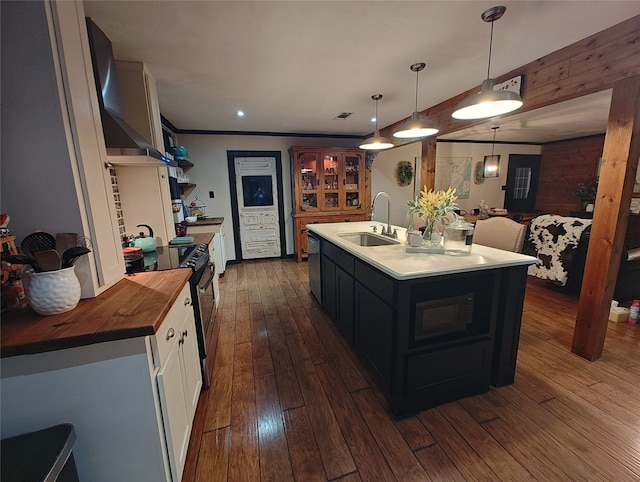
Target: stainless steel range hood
(125, 146)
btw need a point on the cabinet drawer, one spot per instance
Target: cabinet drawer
(340, 257)
(347, 218)
(169, 332)
(462, 369)
(376, 282)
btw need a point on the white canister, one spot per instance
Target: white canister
(52, 292)
(414, 238)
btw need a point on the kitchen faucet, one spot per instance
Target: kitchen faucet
(386, 232)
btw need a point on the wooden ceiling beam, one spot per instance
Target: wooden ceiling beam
(590, 65)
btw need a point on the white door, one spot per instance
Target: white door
(257, 196)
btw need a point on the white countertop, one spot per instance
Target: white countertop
(394, 261)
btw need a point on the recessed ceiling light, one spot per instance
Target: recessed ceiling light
(373, 119)
(240, 113)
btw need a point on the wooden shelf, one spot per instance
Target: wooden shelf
(184, 164)
(185, 187)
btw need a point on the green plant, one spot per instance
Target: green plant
(587, 191)
(404, 173)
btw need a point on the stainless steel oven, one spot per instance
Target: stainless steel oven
(205, 295)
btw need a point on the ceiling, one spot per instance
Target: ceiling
(293, 66)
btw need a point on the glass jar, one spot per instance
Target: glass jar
(458, 237)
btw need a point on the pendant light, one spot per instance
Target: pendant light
(492, 162)
(377, 142)
(488, 102)
(415, 127)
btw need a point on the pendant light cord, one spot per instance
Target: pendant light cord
(490, 48)
(417, 74)
(376, 117)
(493, 145)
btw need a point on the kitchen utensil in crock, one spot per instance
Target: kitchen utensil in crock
(72, 254)
(22, 259)
(39, 241)
(48, 260)
(65, 241)
(147, 243)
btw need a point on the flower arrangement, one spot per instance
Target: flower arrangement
(587, 191)
(434, 207)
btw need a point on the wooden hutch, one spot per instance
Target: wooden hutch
(330, 185)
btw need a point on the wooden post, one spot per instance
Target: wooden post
(428, 167)
(611, 215)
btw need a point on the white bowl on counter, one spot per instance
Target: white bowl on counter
(191, 219)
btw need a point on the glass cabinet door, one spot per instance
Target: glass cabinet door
(353, 183)
(310, 180)
(331, 184)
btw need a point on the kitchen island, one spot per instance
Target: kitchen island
(123, 368)
(433, 328)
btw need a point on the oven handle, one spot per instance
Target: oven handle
(203, 288)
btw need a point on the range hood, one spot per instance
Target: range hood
(125, 146)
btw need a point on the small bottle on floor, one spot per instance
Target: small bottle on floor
(634, 312)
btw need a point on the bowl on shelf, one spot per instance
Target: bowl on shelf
(179, 152)
(191, 219)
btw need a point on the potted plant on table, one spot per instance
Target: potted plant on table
(587, 192)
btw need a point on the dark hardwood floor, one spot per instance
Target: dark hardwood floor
(290, 400)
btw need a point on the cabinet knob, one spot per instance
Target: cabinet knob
(187, 302)
(170, 334)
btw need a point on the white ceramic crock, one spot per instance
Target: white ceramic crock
(52, 292)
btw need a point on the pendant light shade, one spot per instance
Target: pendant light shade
(492, 162)
(377, 142)
(416, 127)
(488, 102)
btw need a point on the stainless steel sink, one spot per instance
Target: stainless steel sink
(368, 239)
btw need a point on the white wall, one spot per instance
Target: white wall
(491, 190)
(210, 172)
(383, 178)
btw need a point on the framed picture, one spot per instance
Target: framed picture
(492, 166)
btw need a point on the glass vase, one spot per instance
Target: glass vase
(431, 237)
(410, 226)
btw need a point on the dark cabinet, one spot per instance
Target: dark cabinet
(374, 331)
(471, 321)
(337, 288)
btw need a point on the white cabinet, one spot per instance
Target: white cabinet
(131, 401)
(179, 380)
(144, 189)
(220, 254)
(54, 178)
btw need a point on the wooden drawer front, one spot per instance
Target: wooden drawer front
(347, 218)
(257, 218)
(376, 282)
(169, 332)
(340, 257)
(457, 369)
(262, 247)
(312, 220)
(267, 233)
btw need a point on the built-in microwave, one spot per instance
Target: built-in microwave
(443, 316)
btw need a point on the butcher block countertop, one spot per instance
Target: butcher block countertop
(199, 238)
(207, 222)
(133, 307)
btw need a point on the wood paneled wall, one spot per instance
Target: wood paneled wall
(563, 165)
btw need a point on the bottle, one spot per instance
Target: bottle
(634, 311)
